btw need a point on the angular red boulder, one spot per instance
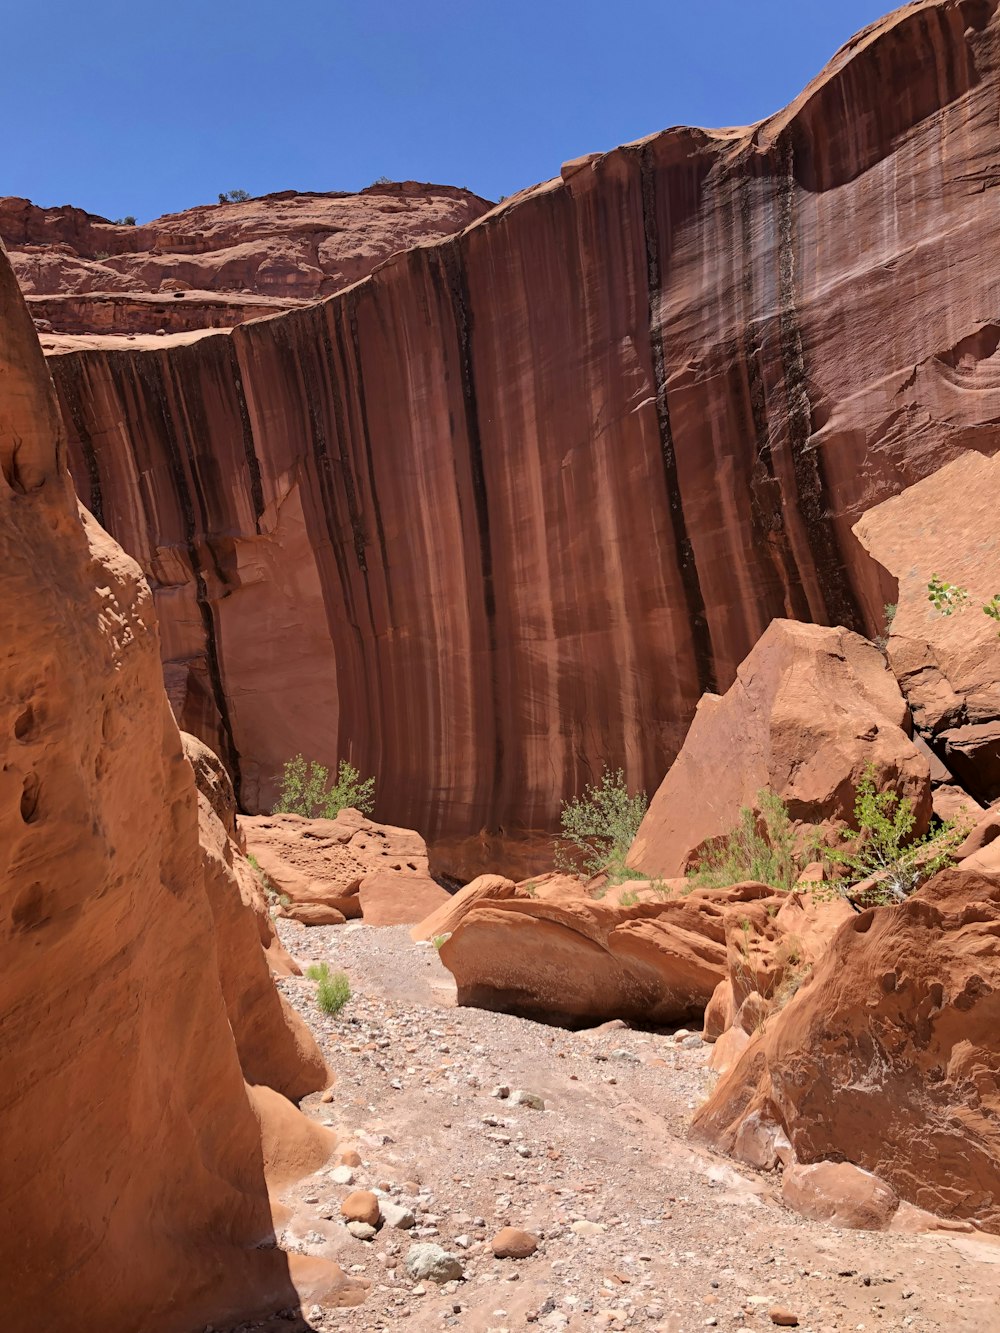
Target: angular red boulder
(810, 710)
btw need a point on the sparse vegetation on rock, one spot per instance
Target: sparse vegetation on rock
(885, 852)
(234, 196)
(763, 848)
(305, 790)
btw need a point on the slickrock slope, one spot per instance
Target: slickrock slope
(504, 510)
(132, 1187)
(217, 264)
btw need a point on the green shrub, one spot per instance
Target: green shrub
(761, 848)
(946, 597)
(599, 826)
(127, 221)
(333, 989)
(885, 849)
(304, 790)
(881, 641)
(439, 941)
(233, 196)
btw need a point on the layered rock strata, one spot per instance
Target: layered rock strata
(136, 998)
(217, 264)
(503, 511)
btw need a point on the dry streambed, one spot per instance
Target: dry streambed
(635, 1227)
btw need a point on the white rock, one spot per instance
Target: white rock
(530, 1099)
(342, 1175)
(361, 1230)
(398, 1216)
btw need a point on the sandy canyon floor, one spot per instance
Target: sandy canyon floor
(637, 1228)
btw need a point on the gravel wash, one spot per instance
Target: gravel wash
(636, 1227)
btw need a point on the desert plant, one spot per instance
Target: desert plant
(304, 790)
(947, 598)
(383, 180)
(763, 848)
(262, 876)
(629, 898)
(884, 849)
(127, 221)
(599, 826)
(439, 941)
(233, 196)
(881, 641)
(333, 989)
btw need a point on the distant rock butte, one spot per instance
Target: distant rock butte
(505, 509)
(216, 265)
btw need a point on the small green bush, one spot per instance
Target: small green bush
(304, 790)
(599, 826)
(127, 221)
(885, 849)
(233, 196)
(947, 598)
(439, 942)
(333, 989)
(761, 848)
(881, 641)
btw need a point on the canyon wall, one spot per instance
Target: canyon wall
(135, 994)
(504, 510)
(82, 273)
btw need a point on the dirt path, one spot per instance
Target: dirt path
(638, 1229)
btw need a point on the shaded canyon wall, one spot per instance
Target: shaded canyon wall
(504, 510)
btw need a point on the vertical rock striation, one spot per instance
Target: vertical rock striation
(502, 511)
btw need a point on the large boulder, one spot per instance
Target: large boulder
(888, 1059)
(132, 1189)
(318, 866)
(553, 952)
(810, 709)
(948, 665)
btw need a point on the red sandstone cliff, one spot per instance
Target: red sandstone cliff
(504, 510)
(135, 998)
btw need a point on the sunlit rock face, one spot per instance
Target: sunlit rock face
(504, 510)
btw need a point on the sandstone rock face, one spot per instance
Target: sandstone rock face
(322, 865)
(388, 898)
(446, 917)
(948, 665)
(810, 709)
(571, 464)
(888, 1059)
(119, 1195)
(218, 264)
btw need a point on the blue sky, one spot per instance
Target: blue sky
(145, 108)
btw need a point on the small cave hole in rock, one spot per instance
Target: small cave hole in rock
(29, 799)
(25, 724)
